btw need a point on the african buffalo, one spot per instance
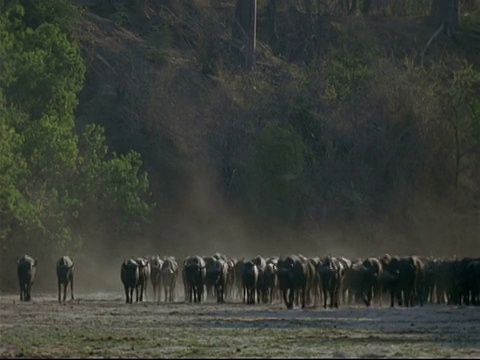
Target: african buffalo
(405, 273)
(216, 277)
(261, 286)
(429, 285)
(155, 268)
(169, 274)
(230, 283)
(353, 281)
(144, 272)
(420, 265)
(194, 277)
(370, 284)
(26, 267)
(292, 277)
(314, 281)
(472, 281)
(130, 274)
(346, 264)
(249, 282)
(209, 276)
(310, 273)
(238, 270)
(331, 275)
(64, 269)
(445, 283)
(270, 281)
(467, 280)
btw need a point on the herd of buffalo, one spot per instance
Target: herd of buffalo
(297, 279)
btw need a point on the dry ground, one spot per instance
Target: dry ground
(102, 325)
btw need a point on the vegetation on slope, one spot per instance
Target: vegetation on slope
(338, 137)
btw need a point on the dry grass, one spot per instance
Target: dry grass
(101, 325)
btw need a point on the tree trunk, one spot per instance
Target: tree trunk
(246, 28)
(272, 20)
(446, 13)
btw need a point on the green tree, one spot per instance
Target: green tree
(49, 180)
(275, 172)
(349, 68)
(110, 184)
(459, 90)
(62, 13)
(45, 73)
(13, 171)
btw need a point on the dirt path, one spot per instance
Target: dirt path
(102, 325)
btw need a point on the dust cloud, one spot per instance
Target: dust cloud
(202, 223)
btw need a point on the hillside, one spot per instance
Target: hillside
(146, 84)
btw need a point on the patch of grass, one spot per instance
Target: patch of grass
(113, 330)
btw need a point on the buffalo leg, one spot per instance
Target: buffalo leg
(65, 292)
(291, 297)
(21, 291)
(71, 289)
(304, 289)
(392, 299)
(126, 294)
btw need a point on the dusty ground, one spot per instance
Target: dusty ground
(102, 325)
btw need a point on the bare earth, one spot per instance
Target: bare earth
(102, 325)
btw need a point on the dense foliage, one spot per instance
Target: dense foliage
(337, 122)
(53, 182)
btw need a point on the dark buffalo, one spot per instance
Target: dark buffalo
(144, 272)
(445, 282)
(405, 272)
(313, 286)
(230, 277)
(169, 274)
(216, 277)
(472, 281)
(343, 290)
(468, 280)
(310, 273)
(261, 286)
(209, 276)
(271, 278)
(26, 267)
(429, 284)
(331, 274)
(370, 281)
(249, 281)
(386, 278)
(64, 269)
(155, 276)
(352, 282)
(270, 281)
(130, 276)
(292, 277)
(194, 277)
(230, 285)
(238, 270)
(420, 265)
